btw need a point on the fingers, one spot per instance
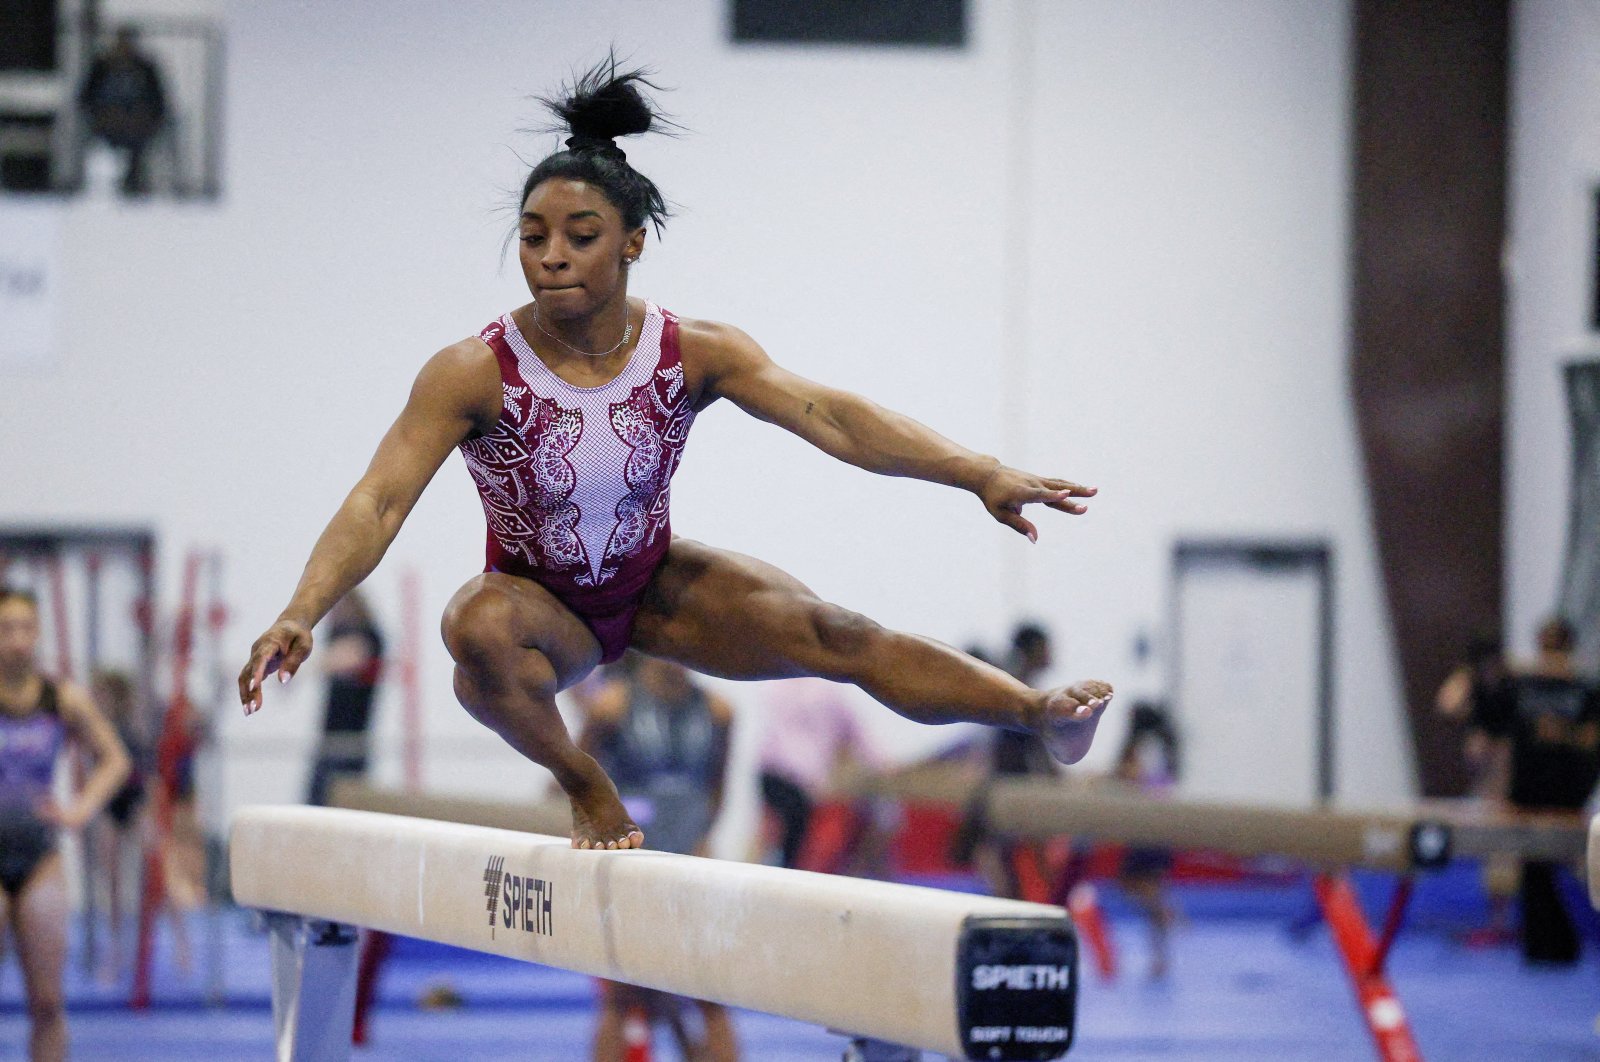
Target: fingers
(263, 662)
(283, 649)
(292, 658)
(1016, 522)
(1058, 498)
(250, 682)
(1077, 490)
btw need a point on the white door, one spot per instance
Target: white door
(1249, 672)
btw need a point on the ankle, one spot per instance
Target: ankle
(579, 776)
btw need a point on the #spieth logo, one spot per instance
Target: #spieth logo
(517, 902)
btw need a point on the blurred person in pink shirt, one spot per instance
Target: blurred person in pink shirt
(811, 733)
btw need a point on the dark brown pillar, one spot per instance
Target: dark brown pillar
(1428, 318)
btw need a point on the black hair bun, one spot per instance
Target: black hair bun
(605, 103)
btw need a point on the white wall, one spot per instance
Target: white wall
(1180, 331)
(1555, 166)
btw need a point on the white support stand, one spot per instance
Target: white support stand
(313, 987)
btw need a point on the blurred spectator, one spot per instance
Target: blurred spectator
(1012, 754)
(354, 663)
(1473, 681)
(125, 105)
(1021, 752)
(38, 718)
(118, 834)
(664, 741)
(1149, 761)
(811, 734)
(1467, 695)
(1549, 721)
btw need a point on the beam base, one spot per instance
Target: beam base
(862, 1050)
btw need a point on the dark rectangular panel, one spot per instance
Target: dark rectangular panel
(1427, 320)
(930, 23)
(28, 35)
(1594, 261)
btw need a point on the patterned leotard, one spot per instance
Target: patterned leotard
(575, 481)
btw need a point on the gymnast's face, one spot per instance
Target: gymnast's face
(19, 634)
(574, 248)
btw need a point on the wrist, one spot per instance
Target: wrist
(296, 616)
(983, 473)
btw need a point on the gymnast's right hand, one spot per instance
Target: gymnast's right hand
(283, 648)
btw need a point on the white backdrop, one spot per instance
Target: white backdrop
(1134, 276)
(30, 284)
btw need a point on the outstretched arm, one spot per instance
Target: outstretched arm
(862, 433)
(457, 392)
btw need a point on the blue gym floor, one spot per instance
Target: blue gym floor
(1253, 978)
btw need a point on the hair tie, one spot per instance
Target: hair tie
(595, 145)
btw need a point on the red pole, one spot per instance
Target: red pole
(173, 744)
(1093, 929)
(1380, 1007)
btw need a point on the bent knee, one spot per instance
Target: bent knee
(479, 623)
(843, 637)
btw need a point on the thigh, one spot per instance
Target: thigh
(725, 614)
(39, 914)
(495, 613)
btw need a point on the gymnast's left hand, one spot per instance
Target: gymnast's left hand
(1007, 490)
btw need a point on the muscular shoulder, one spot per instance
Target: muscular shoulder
(711, 351)
(464, 378)
(469, 363)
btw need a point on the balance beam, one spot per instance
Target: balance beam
(1329, 840)
(1413, 839)
(967, 976)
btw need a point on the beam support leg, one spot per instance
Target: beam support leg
(1364, 957)
(313, 988)
(864, 1050)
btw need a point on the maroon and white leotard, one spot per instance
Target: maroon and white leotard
(575, 481)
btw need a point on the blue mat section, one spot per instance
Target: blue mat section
(1243, 987)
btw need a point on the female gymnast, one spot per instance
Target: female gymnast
(37, 716)
(571, 413)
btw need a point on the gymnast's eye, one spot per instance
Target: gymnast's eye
(583, 240)
(532, 239)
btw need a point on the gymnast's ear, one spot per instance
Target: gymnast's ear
(633, 246)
